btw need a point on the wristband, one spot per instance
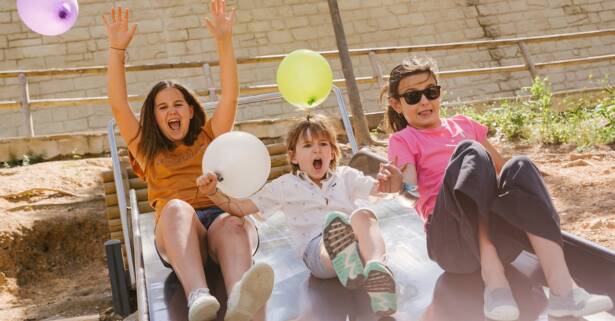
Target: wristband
(410, 189)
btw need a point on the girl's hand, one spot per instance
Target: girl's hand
(221, 23)
(117, 30)
(389, 178)
(207, 183)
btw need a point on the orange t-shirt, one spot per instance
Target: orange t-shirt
(174, 173)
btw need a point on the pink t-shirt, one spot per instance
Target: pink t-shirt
(430, 150)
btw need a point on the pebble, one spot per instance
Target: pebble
(597, 224)
(578, 162)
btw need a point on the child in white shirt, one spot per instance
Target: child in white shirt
(332, 234)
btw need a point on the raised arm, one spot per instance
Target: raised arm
(221, 28)
(206, 184)
(119, 38)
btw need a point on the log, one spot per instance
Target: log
(278, 171)
(113, 212)
(279, 160)
(107, 176)
(276, 149)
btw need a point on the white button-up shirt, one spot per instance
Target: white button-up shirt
(305, 205)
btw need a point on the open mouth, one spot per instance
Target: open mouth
(174, 124)
(426, 113)
(317, 163)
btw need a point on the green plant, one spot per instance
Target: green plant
(583, 121)
(25, 160)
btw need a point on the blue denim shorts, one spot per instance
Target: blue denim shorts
(206, 215)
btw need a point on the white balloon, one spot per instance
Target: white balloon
(240, 160)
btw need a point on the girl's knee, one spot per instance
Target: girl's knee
(362, 216)
(229, 226)
(175, 210)
(468, 144)
(519, 162)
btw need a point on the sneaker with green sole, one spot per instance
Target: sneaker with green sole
(380, 287)
(339, 241)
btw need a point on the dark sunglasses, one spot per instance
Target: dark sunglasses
(414, 96)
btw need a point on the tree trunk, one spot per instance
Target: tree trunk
(359, 122)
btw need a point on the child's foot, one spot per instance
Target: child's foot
(500, 305)
(578, 303)
(339, 240)
(202, 306)
(251, 293)
(380, 287)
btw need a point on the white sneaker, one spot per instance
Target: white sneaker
(578, 303)
(250, 294)
(202, 306)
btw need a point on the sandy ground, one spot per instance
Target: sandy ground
(52, 225)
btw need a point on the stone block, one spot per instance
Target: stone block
(304, 9)
(279, 36)
(96, 144)
(44, 147)
(76, 125)
(306, 33)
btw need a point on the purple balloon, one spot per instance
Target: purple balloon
(48, 17)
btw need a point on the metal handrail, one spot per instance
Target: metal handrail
(121, 198)
(326, 53)
(142, 307)
(25, 103)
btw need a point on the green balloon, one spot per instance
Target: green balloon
(304, 78)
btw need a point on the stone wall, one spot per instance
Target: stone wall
(171, 31)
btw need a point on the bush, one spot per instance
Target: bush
(584, 122)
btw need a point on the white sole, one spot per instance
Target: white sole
(205, 312)
(589, 309)
(503, 313)
(254, 291)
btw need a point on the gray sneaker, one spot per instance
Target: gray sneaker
(578, 303)
(500, 305)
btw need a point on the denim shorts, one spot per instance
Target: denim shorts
(207, 216)
(311, 258)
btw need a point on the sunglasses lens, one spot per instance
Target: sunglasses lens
(413, 97)
(432, 92)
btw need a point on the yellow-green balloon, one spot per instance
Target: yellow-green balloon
(304, 78)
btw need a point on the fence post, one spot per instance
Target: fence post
(25, 104)
(376, 69)
(209, 82)
(528, 60)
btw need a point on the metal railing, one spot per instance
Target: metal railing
(26, 103)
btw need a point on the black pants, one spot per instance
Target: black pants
(514, 203)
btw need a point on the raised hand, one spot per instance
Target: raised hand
(117, 29)
(220, 24)
(207, 183)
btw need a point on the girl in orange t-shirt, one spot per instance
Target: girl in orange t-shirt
(166, 147)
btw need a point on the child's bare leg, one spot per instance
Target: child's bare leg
(231, 243)
(369, 236)
(553, 264)
(178, 235)
(492, 270)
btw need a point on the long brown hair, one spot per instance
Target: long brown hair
(152, 139)
(411, 66)
(316, 125)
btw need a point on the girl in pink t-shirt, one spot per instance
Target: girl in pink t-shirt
(480, 211)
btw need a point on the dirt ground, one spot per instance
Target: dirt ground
(52, 225)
